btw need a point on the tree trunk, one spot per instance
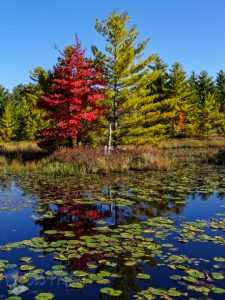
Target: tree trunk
(78, 139)
(70, 142)
(109, 138)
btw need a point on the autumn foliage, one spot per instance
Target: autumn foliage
(75, 102)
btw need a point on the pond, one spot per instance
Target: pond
(152, 235)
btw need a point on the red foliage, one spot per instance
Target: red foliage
(75, 102)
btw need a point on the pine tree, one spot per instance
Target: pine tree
(220, 90)
(177, 104)
(211, 120)
(8, 123)
(204, 85)
(132, 112)
(159, 86)
(74, 103)
(4, 98)
(29, 118)
(203, 99)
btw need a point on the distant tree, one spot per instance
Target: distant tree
(220, 90)
(8, 123)
(29, 119)
(193, 81)
(206, 114)
(131, 110)
(4, 98)
(43, 80)
(159, 86)
(211, 120)
(74, 103)
(177, 104)
(202, 85)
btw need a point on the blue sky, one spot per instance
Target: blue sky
(189, 31)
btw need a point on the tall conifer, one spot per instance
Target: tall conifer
(132, 111)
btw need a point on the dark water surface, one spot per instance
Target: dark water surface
(154, 235)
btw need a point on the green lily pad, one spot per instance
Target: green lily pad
(158, 292)
(217, 275)
(80, 273)
(218, 290)
(174, 293)
(130, 263)
(177, 258)
(76, 285)
(87, 280)
(143, 276)
(196, 274)
(58, 267)
(26, 267)
(167, 245)
(200, 289)
(190, 279)
(103, 281)
(44, 296)
(110, 291)
(219, 259)
(25, 259)
(51, 232)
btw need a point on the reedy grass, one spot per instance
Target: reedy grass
(20, 158)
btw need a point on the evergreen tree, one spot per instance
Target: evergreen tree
(43, 80)
(220, 90)
(8, 123)
(159, 86)
(29, 118)
(203, 99)
(132, 111)
(211, 121)
(22, 113)
(4, 98)
(177, 104)
(193, 81)
(204, 86)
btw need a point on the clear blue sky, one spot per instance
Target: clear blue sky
(189, 31)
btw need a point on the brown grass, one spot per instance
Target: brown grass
(19, 158)
(96, 161)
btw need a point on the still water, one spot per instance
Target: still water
(154, 235)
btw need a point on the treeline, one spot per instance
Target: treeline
(144, 101)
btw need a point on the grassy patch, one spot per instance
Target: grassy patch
(18, 158)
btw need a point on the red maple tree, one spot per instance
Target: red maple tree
(75, 102)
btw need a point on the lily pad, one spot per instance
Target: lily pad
(76, 285)
(218, 290)
(196, 274)
(110, 291)
(44, 296)
(50, 232)
(25, 259)
(217, 275)
(143, 276)
(130, 263)
(219, 259)
(26, 267)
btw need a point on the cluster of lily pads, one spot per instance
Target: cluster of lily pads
(135, 244)
(144, 241)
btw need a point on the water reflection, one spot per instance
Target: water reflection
(84, 207)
